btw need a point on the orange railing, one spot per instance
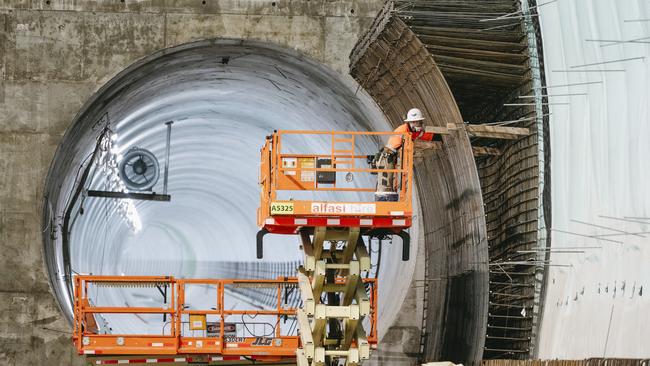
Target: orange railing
(180, 323)
(282, 171)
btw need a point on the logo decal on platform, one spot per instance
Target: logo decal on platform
(343, 208)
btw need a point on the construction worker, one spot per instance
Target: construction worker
(387, 157)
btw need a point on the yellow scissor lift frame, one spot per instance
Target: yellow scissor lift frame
(335, 300)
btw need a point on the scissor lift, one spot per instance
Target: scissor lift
(335, 301)
(185, 336)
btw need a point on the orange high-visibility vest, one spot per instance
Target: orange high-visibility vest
(395, 141)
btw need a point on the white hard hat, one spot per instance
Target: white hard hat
(414, 115)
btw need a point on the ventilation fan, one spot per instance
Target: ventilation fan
(139, 169)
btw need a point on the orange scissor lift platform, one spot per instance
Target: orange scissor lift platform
(185, 336)
(317, 172)
(331, 231)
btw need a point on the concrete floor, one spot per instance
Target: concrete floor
(54, 56)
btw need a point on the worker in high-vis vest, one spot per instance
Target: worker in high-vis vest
(387, 157)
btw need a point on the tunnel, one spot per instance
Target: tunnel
(224, 97)
(510, 264)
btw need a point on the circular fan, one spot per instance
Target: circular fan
(139, 169)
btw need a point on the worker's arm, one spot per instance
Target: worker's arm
(396, 141)
(430, 136)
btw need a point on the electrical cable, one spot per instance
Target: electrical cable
(75, 181)
(253, 333)
(98, 145)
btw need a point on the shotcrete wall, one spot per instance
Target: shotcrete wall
(492, 68)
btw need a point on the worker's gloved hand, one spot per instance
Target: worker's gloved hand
(372, 161)
(386, 155)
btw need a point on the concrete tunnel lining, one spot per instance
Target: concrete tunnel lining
(393, 65)
(194, 85)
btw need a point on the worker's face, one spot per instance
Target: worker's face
(416, 126)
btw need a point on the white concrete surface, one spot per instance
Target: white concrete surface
(598, 306)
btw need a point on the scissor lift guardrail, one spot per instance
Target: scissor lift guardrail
(220, 347)
(280, 171)
(335, 301)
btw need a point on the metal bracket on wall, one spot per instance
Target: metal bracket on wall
(130, 195)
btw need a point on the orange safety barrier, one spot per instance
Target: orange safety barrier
(225, 341)
(281, 171)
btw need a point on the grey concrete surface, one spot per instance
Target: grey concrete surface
(400, 346)
(53, 56)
